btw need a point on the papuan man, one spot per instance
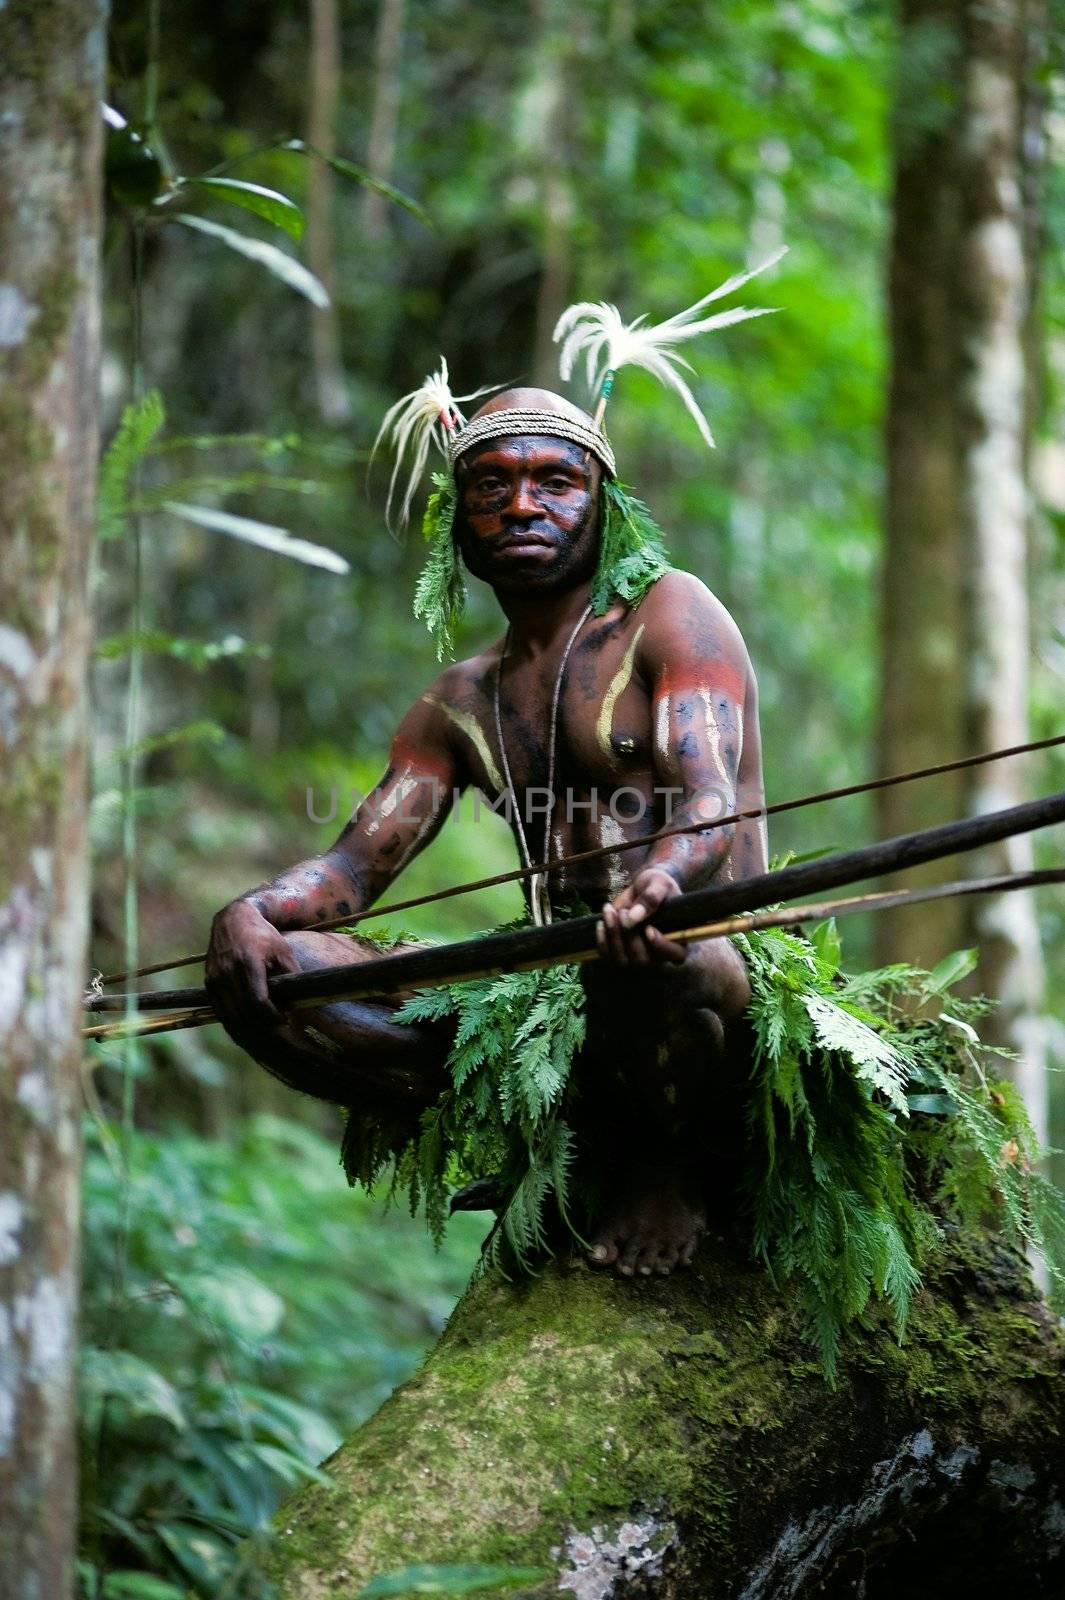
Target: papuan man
(656, 699)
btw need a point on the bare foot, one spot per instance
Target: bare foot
(650, 1226)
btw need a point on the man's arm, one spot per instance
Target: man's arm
(696, 661)
(397, 819)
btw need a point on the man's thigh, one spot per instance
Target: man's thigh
(351, 1051)
(714, 977)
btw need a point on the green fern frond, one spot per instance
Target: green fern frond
(140, 423)
(632, 553)
(440, 593)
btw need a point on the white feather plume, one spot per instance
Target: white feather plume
(425, 416)
(608, 343)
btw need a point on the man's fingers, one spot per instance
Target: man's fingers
(615, 942)
(262, 1008)
(663, 949)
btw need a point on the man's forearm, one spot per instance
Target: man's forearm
(319, 890)
(693, 859)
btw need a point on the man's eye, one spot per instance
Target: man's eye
(489, 485)
(558, 485)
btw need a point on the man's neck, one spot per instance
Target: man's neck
(538, 620)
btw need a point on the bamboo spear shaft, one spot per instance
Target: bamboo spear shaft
(747, 922)
(565, 941)
(582, 857)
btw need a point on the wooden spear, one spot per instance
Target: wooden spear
(572, 939)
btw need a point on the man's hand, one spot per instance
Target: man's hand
(244, 951)
(623, 935)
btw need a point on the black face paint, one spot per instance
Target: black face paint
(527, 514)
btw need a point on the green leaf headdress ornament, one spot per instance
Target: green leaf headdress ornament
(632, 553)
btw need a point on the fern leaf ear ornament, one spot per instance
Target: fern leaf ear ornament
(608, 343)
(428, 415)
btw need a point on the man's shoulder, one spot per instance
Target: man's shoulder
(460, 679)
(680, 607)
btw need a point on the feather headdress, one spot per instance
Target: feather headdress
(425, 416)
(598, 332)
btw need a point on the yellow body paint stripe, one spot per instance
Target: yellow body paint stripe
(468, 724)
(616, 688)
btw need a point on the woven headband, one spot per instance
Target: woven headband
(521, 420)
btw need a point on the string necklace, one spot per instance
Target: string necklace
(539, 898)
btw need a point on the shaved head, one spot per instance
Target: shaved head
(533, 400)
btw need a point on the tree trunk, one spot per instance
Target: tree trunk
(384, 117)
(51, 84)
(955, 602)
(921, 677)
(324, 90)
(542, 139)
(993, 319)
(673, 1438)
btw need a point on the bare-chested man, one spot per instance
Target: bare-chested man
(658, 701)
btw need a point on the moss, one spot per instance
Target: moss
(35, 35)
(575, 1401)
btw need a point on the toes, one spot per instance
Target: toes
(627, 1264)
(647, 1258)
(691, 1245)
(604, 1253)
(667, 1260)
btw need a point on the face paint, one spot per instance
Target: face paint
(615, 689)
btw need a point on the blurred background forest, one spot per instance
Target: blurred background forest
(243, 1309)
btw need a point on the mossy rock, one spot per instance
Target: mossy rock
(675, 1438)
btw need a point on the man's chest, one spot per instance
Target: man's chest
(587, 728)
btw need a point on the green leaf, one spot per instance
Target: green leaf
(464, 1578)
(826, 941)
(267, 203)
(133, 169)
(199, 653)
(203, 731)
(291, 272)
(263, 534)
(350, 169)
(120, 1375)
(932, 1105)
(877, 1061)
(950, 971)
(962, 1026)
(797, 858)
(290, 1468)
(235, 1299)
(140, 423)
(141, 1586)
(202, 1555)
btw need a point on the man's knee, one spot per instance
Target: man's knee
(719, 975)
(312, 949)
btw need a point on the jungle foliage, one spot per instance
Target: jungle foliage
(256, 647)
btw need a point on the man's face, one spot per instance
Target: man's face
(528, 513)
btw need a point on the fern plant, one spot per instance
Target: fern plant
(874, 1115)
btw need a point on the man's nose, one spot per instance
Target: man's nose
(523, 503)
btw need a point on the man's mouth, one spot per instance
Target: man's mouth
(525, 540)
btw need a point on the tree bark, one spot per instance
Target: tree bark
(51, 84)
(384, 116)
(542, 136)
(993, 319)
(324, 93)
(955, 599)
(674, 1439)
(921, 673)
